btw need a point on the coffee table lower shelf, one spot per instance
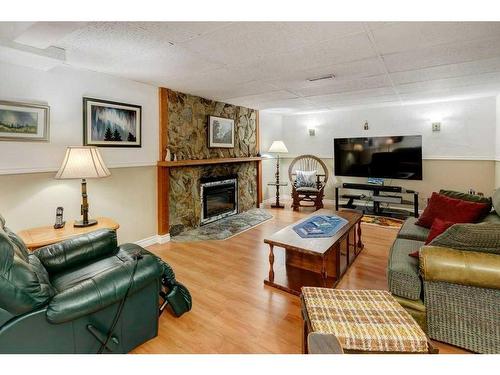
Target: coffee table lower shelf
(292, 279)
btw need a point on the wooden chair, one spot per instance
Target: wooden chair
(314, 195)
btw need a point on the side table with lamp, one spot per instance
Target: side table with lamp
(80, 162)
(277, 147)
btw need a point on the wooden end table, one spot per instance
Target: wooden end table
(43, 236)
(314, 261)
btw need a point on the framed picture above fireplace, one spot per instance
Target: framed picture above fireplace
(220, 132)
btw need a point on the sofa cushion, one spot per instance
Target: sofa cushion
(483, 237)
(411, 231)
(402, 271)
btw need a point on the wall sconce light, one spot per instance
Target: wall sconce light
(365, 126)
(436, 126)
(312, 132)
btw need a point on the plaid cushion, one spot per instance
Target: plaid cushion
(364, 320)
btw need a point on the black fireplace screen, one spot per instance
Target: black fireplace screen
(219, 200)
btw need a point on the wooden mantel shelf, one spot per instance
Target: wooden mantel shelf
(185, 163)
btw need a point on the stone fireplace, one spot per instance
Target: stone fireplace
(219, 198)
(194, 189)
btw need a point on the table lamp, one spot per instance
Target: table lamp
(82, 162)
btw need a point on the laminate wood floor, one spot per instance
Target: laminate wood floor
(233, 312)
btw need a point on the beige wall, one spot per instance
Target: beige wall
(497, 174)
(128, 196)
(458, 175)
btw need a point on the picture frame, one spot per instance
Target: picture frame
(111, 124)
(24, 122)
(220, 132)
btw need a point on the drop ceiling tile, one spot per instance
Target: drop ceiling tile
(478, 79)
(334, 86)
(404, 36)
(442, 55)
(10, 30)
(318, 55)
(226, 92)
(320, 99)
(249, 41)
(447, 71)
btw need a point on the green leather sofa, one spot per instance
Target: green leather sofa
(66, 297)
(453, 289)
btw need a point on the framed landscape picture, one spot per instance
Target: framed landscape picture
(220, 132)
(111, 124)
(24, 122)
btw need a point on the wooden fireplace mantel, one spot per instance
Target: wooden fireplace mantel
(163, 167)
(193, 162)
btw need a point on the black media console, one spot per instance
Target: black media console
(393, 195)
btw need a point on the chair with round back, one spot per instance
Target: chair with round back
(302, 170)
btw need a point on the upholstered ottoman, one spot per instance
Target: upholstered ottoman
(359, 321)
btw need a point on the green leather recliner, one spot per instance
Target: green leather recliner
(66, 297)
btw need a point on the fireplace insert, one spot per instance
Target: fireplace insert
(219, 198)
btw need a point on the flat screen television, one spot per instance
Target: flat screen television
(398, 157)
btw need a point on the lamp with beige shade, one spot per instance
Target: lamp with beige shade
(278, 147)
(82, 162)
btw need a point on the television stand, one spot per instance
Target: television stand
(392, 195)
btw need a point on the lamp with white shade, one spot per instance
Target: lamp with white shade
(278, 147)
(82, 162)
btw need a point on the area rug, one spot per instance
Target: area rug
(225, 228)
(382, 221)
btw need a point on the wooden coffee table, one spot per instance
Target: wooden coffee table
(314, 261)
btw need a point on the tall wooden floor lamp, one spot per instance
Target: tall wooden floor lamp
(278, 147)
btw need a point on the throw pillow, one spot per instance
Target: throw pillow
(451, 209)
(438, 226)
(466, 197)
(496, 201)
(305, 179)
(415, 254)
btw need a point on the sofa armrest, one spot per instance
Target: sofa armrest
(78, 250)
(460, 267)
(103, 290)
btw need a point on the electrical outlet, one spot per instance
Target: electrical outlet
(436, 126)
(365, 126)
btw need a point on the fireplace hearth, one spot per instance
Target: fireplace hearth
(219, 198)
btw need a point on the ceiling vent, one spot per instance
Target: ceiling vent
(328, 76)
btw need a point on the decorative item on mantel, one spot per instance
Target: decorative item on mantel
(82, 162)
(168, 155)
(278, 147)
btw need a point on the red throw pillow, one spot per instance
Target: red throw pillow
(415, 254)
(438, 226)
(450, 209)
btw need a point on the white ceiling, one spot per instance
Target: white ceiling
(265, 65)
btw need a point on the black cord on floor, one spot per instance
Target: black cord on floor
(136, 257)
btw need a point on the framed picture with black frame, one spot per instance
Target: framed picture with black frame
(111, 124)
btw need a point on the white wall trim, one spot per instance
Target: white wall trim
(163, 238)
(147, 241)
(7, 171)
(437, 157)
(153, 240)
